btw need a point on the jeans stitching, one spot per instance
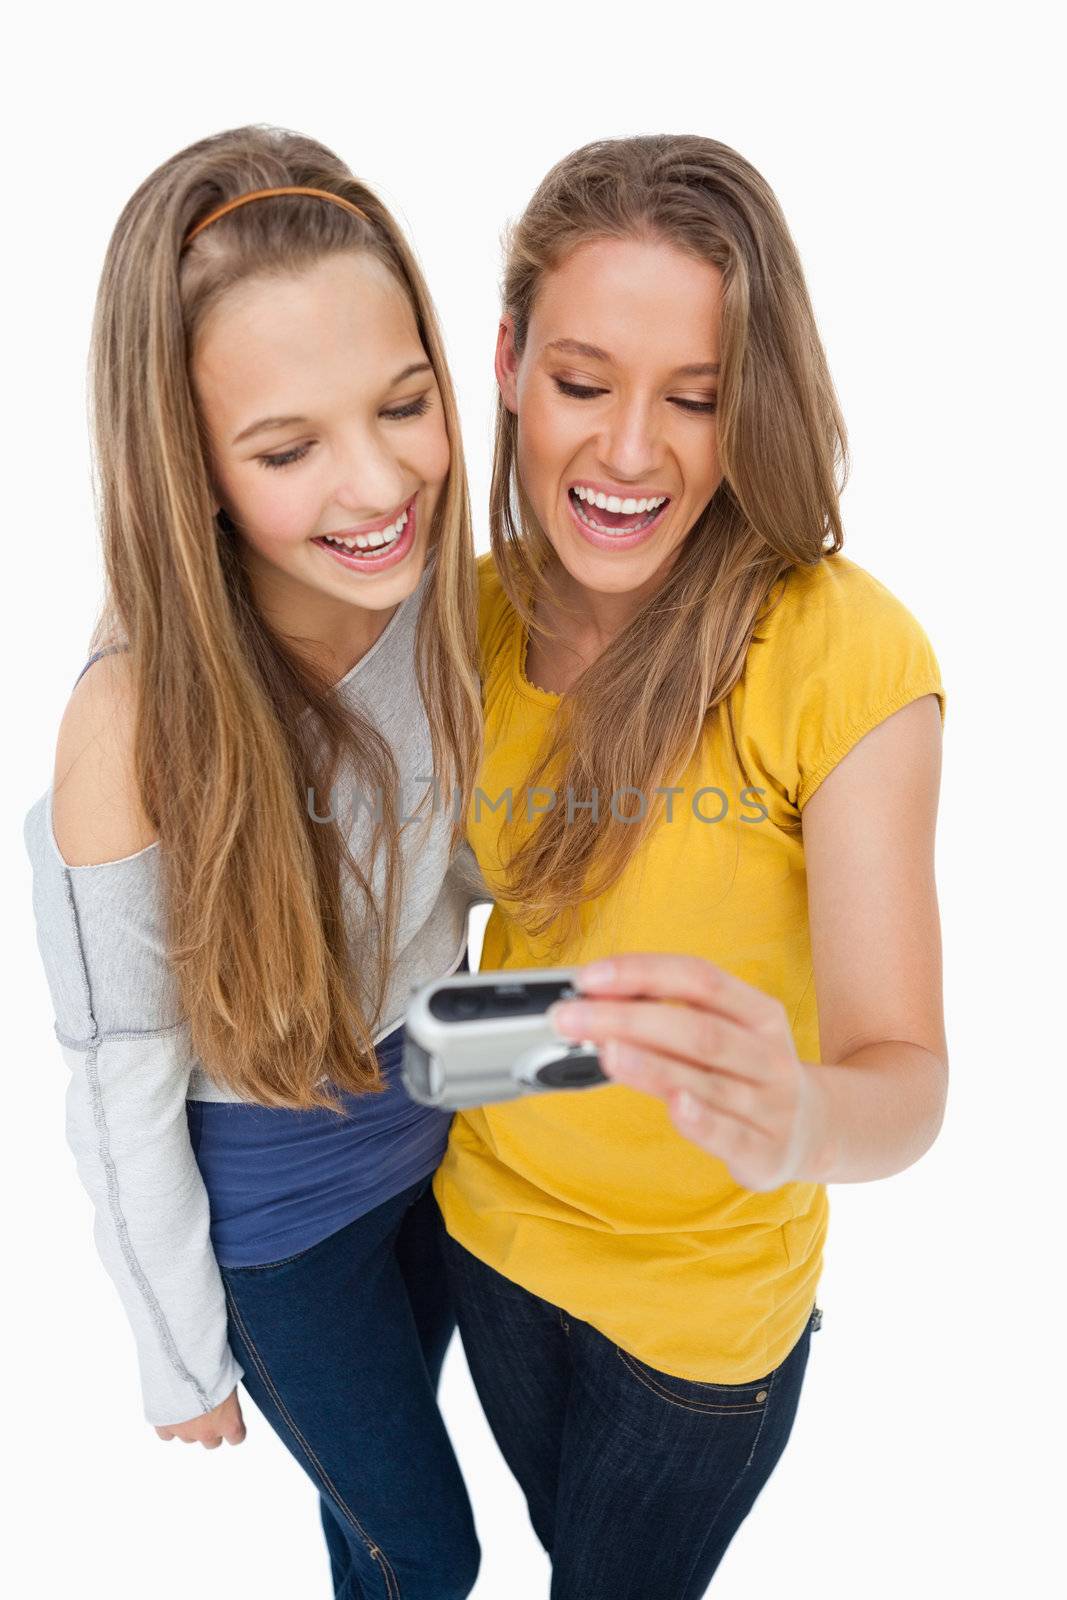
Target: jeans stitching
(687, 1405)
(751, 1456)
(373, 1550)
(268, 1266)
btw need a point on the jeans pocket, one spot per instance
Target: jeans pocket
(712, 1399)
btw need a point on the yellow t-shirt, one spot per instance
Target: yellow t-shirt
(592, 1199)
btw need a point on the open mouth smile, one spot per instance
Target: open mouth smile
(381, 547)
(613, 517)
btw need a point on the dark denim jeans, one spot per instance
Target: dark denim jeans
(342, 1346)
(636, 1481)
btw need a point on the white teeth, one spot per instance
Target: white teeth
(371, 541)
(628, 507)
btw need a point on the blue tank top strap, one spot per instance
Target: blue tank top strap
(108, 650)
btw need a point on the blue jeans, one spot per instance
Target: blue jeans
(342, 1346)
(636, 1481)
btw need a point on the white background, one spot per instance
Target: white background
(916, 157)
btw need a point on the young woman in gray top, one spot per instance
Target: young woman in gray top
(243, 863)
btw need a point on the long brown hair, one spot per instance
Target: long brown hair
(635, 716)
(233, 725)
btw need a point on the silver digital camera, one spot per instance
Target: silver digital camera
(479, 1037)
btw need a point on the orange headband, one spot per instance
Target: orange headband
(260, 194)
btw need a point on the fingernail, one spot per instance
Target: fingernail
(599, 972)
(566, 1017)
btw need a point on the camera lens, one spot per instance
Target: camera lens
(456, 1005)
(572, 1072)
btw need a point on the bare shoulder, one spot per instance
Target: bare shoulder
(97, 814)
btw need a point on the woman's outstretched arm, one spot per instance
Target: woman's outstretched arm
(876, 947)
(720, 1053)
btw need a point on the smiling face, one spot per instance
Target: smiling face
(615, 396)
(356, 450)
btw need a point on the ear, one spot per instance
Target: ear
(507, 363)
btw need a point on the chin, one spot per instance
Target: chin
(608, 572)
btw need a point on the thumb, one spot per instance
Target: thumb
(235, 1429)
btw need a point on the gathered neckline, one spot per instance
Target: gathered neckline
(518, 662)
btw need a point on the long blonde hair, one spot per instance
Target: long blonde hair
(635, 716)
(233, 725)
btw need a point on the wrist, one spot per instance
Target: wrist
(821, 1146)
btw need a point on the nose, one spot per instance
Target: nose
(629, 445)
(370, 478)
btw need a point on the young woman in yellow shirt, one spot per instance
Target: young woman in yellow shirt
(712, 752)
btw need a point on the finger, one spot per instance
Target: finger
(165, 1434)
(696, 1120)
(687, 978)
(212, 1444)
(657, 1074)
(682, 1032)
(691, 1116)
(744, 1156)
(235, 1432)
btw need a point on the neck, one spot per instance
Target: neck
(597, 616)
(332, 633)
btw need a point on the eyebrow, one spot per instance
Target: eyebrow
(266, 424)
(592, 352)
